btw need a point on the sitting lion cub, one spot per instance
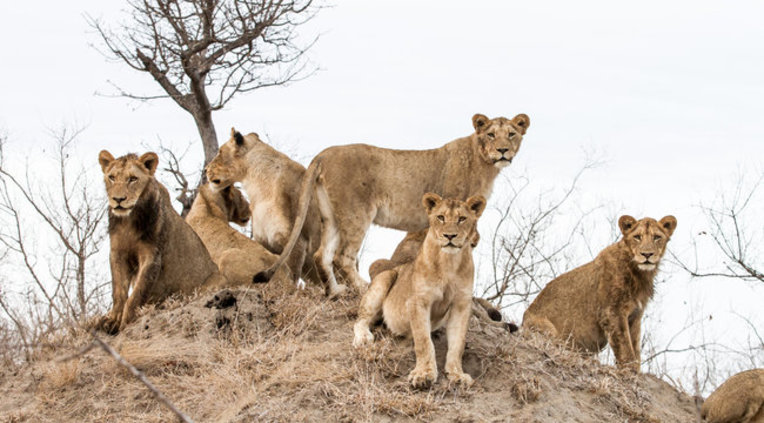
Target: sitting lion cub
(602, 301)
(238, 257)
(153, 250)
(434, 290)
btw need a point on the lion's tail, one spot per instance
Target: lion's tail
(306, 195)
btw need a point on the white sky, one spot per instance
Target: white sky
(671, 94)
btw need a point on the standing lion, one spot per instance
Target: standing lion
(603, 301)
(153, 250)
(360, 184)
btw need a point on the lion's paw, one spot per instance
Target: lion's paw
(109, 325)
(462, 379)
(337, 290)
(423, 377)
(362, 337)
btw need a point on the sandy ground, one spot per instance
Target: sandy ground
(285, 355)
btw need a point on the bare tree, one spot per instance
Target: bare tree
(735, 229)
(60, 286)
(526, 253)
(204, 52)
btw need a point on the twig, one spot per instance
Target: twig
(140, 376)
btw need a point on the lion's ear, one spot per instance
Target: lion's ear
(237, 137)
(626, 223)
(104, 159)
(668, 223)
(150, 161)
(476, 204)
(430, 201)
(480, 122)
(522, 122)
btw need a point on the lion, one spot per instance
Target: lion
(153, 251)
(406, 252)
(272, 181)
(740, 399)
(360, 184)
(603, 301)
(238, 257)
(435, 290)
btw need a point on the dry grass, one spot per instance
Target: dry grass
(286, 355)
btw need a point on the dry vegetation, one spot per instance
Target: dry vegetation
(286, 355)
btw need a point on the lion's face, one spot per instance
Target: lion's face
(230, 164)
(499, 139)
(453, 223)
(126, 178)
(646, 239)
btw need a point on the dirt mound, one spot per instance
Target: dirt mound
(271, 353)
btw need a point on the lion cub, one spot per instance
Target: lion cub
(434, 290)
(238, 257)
(153, 250)
(739, 399)
(603, 301)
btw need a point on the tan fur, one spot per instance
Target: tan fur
(740, 399)
(238, 257)
(416, 298)
(406, 252)
(603, 301)
(361, 184)
(273, 184)
(153, 250)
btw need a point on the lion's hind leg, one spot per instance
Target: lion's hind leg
(541, 324)
(371, 307)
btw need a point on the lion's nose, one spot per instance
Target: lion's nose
(502, 150)
(449, 236)
(647, 255)
(118, 199)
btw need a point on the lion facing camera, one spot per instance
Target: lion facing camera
(435, 290)
(603, 301)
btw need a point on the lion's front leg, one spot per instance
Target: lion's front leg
(426, 370)
(616, 326)
(456, 331)
(149, 266)
(371, 307)
(635, 333)
(120, 283)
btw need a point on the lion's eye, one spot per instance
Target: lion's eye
(461, 219)
(111, 178)
(491, 135)
(638, 237)
(657, 238)
(512, 134)
(441, 218)
(132, 179)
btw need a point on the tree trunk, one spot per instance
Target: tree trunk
(209, 138)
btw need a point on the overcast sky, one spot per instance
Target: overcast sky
(669, 94)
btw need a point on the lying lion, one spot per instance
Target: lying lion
(360, 184)
(153, 250)
(738, 400)
(272, 180)
(416, 298)
(603, 301)
(238, 257)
